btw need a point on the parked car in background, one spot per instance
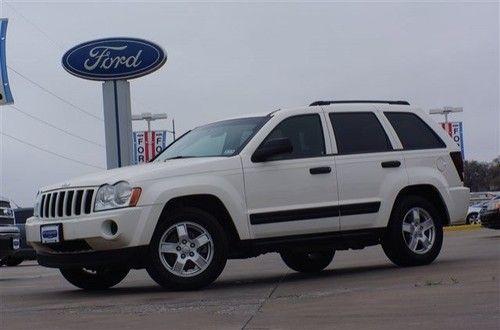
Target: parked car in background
(9, 240)
(473, 212)
(490, 214)
(25, 252)
(6, 215)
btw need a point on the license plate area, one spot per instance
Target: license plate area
(51, 234)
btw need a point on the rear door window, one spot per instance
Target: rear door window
(359, 132)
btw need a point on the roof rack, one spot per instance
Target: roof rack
(318, 103)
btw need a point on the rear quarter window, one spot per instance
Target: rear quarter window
(413, 132)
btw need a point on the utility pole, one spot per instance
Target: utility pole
(445, 111)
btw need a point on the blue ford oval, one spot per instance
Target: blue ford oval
(113, 59)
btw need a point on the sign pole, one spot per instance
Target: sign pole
(117, 123)
(5, 93)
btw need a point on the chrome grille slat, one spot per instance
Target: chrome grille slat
(56, 206)
(84, 198)
(65, 200)
(66, 203)
(73, 204)
(42, 206)
(53, 199)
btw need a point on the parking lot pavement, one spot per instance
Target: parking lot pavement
(360, 290)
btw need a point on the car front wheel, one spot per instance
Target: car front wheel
(94, 279)
(472, 218)
(415, 233)
(188, 250)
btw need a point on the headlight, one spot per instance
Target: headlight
(36, 207)
(115, 196)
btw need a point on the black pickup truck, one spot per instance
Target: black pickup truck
(9, 241)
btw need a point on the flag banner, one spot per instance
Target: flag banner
(148, 144)
(5, 94)
(456, 131)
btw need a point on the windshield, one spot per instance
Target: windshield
(221, 139)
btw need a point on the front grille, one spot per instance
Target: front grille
(66, 203)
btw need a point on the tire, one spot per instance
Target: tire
(307, 262)
(94, 279)
(188, 250)
(407, 242)
(13, 261)
(471, 218)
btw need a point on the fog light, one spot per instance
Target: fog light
(109, 228)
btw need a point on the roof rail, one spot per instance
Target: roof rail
(318, 103)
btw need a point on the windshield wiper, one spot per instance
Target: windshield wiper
(179, 157)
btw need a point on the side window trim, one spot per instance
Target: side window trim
(318, 115)
(396, 143)
(338, 153)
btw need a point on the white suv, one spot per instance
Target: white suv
(301, 182)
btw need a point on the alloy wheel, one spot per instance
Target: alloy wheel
(186, 249)
(418, 230)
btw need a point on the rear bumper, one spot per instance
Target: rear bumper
(134, 257)
(490, 219)
(458, 204)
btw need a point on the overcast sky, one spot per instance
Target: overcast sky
(227, 59)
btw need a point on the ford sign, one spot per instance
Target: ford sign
(114, 59)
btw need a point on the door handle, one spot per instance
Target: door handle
(392, 163)
(320, 170)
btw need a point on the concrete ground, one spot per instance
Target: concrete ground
(360, 290)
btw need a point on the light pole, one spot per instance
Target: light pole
(445, 111)
(149, 117)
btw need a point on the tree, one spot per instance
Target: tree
(482, 176)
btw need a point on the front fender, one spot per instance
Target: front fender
(226, 186)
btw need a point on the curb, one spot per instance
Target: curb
(462, 227)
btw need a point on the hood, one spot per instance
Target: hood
(152, 171)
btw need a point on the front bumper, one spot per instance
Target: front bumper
(6, 243)
(93, 232)
(134, 257)
(490, 219)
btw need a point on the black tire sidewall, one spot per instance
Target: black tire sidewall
(13, 261)
(300, 261)
(393, 242)
(100, 281)
(168, 280)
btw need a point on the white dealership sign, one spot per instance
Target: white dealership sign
(148, 144)
(456, 131)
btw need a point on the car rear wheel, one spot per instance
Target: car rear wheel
(188, 250)
(308, 262)
(94, 278)
(415, 233)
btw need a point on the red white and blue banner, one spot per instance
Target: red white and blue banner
(456, 131)
(148, 144)
(5, 94)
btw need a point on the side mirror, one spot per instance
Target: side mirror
(271, 148)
